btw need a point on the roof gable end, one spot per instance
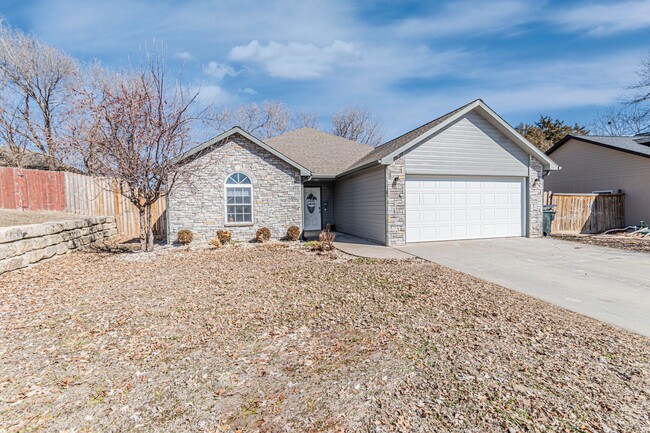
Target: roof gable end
(205, 146)
(486, 112)
(386, 153)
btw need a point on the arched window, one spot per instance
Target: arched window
(239, 199)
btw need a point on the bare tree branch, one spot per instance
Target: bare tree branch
(37, 77)
(357, 124)
(265, 120)
(642, 86)
(624, 119)
(304, 119)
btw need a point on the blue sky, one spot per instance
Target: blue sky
(407, 61)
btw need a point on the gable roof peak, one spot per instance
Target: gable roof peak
(388, 151)
(196, 150)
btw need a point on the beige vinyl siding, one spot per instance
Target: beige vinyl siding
(589, 167)
(360, 204)
(470, 146)
(326, 195)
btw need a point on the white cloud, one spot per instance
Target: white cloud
(248, 91)
(219, 70)
(212, 94)
(184, 55)
(469, 17)
(295, 59)
(604, 19)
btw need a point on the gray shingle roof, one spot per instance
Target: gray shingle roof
(634, 144)
(396, 143)
(322, 153)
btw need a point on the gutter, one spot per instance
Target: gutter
(361, 167)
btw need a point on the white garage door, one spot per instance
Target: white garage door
(450, 208)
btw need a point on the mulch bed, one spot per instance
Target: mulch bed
(275, 338)
(618, 241)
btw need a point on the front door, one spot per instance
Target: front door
(311, 200)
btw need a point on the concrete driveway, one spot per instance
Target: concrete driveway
(604, 283)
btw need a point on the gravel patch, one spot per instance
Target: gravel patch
(618, 241)
(10, 217)
(276, 338)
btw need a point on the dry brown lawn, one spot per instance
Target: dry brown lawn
(619, 241)
(11, 217)
(275, 338)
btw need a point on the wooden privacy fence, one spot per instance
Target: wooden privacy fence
(586, 213)
(32, 189)
(75, 193)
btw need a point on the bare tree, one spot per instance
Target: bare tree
(623, 119)
(631, 115)
(139, 124)
(265, 120)
(304, 119)
(15, 148)
(37, 77)
(356, 123)
(642, 87)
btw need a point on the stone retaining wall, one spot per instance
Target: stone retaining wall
(21, 246)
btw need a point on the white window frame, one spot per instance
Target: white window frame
(227, 185)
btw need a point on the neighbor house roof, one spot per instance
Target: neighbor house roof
(32, 160)
(637, 145)
(387, 152)
(324, 154)
(195, 151)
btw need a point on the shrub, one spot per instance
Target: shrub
(293, 233)
(263, 234)
(185, 236)
(314, 245)
(215, 242)
(224, 236)
(326, 239)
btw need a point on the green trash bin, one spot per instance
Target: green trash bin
(549, 216)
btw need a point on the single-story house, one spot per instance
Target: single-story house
(594, 164)
(465, 175)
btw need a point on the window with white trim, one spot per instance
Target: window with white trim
(239, 199)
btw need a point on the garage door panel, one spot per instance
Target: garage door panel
(444, 199)
(428, 199)
(463, 207)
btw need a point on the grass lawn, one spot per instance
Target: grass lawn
(275, 338)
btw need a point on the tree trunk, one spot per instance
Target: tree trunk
(143, 229)
(149, 229)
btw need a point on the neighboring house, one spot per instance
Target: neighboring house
(465, 175)
(605, 165)
(31, 160)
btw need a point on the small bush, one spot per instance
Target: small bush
(216, 242)
(314, 245)
(293, 233)
(185, 236)
(263, 234)
(224, 236)
(326, 239)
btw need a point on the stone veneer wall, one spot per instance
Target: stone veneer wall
(21, 246)
(396, 203)
(198, 204)
(535, 198)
